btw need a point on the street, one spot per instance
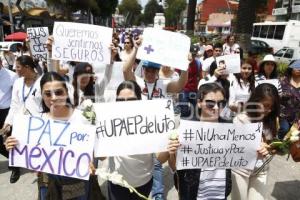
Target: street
(284, 182)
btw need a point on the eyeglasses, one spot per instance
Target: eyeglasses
(127, 99)
(58, 92)
(211, 103)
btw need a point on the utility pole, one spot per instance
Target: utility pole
(289, 10)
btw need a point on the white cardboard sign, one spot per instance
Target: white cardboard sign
(38, 38)
(217, 145)
(57, 147)
(165, 47)
(81, 42)
(232, 63)
(133, 127)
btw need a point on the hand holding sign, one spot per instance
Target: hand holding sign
(165, 47)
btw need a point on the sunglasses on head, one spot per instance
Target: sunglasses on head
(211, 103)
(126, 99)
(58, 92)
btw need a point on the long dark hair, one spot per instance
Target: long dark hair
(274, 73)
(224, 82)
(251, 78)
(49, 77)
(26, 60)
(89, 89)
(132, 85)
(261, 92)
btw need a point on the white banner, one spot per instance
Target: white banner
(165, 47)
(37, 41)
(217, 145)
(57, 147)
(232, 63)
(133, 127)
(81, 42)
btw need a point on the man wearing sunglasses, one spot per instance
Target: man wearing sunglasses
(153, 87)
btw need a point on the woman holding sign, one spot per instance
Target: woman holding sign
(208, 183)
(262, 106)
(57, 106)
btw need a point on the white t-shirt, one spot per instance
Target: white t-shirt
(136, 169)
(147, 88)
(237, 93)
(7, 78)
(230, 49)
(206, 63)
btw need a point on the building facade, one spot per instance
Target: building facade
(287, 9)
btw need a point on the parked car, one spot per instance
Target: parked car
(260, 47)
(9, 46)
(287, 54)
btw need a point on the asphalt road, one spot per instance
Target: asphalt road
(284, 182)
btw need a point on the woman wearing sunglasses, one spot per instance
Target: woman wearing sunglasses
(262, 106)
(212, 183)
(137, 170)
(57, 106)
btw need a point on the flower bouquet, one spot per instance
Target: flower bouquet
(287, 145)
(88, 111)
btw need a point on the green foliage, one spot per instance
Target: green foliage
(282, 67)
(151, 8)
(173, 12)
(105, 8)
(130, 9)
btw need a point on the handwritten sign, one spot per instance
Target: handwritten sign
(218, 145)
(134, 127)
(81, 42)
(38, 38)
(232, 63)
(55, 147)
(165, 47)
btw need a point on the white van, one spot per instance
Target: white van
(278, 34)
(9, 46)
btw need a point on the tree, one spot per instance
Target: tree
(131, 9)
(173, 11)
(191, 15)
(245, 18)
(151, 8)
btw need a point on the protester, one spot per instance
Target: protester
(128, 49)
(208, 183)
(262, 106)
(8, 59)
(290, 99)
(137, 170)
(217, 51)
(167, 73)
(7, 78)
(57, 106)
(230, 46)
(268, 71)
(241, 87)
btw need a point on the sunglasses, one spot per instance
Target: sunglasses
(211, 103)
(126, 42)
(58, 92)
(127, 99)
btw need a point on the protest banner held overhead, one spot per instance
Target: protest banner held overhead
(218, 145)
(165, 47)
(231, 63)
(37, 39)
(57, 147)
(136, 127)
(81, 42)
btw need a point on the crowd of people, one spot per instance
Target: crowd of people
(205, 92)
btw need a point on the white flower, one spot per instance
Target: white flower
(295, 133)
(87, 103)
(294, 138)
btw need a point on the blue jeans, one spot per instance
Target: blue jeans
(158, 179)
(284, 128)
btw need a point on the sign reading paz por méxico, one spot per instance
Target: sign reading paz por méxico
(57, 147)
(165, 47)
(81, 42)
(218, 145)
(139, 127)
(38, 37)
